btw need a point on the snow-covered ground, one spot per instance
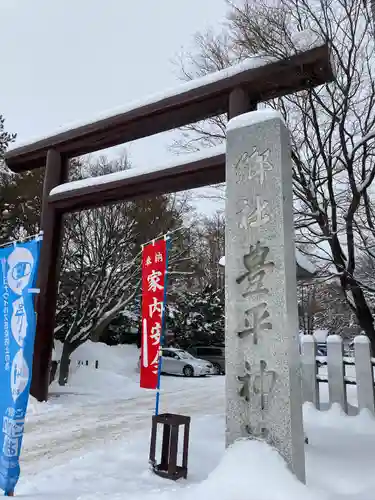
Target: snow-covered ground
(91, 441)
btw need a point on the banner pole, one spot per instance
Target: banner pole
(163, 321)
(37, 237)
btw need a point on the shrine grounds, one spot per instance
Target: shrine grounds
(91, 441)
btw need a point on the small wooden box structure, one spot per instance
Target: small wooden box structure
(168, 467)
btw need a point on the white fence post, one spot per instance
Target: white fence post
(364, 373)
(336, 372)
(310, 384)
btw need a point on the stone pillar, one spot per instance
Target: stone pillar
(263, 374)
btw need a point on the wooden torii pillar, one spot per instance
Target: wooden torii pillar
(233, 91)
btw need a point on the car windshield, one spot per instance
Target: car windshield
(184, 355)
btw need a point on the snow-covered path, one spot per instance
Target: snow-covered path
(91, 441)
(81, 428)
(89, 448)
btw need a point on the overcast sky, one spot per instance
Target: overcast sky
(66, 61)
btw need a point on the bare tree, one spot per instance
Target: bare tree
(98, 279)
(371, 6)
(5, 139)
(101, 263)
(307, 307)
(322, 305)
(332, 127)
(208, 246)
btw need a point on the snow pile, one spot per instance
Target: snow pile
(119, 359)
(250, 469)
(115, 376)
(340, 453)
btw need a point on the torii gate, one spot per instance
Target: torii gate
(233, 91)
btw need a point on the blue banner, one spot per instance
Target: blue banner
(18, 271)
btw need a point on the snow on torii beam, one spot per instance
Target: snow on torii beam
(259, 79)
(203, 168)
(234, 91)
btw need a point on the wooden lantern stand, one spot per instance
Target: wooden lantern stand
(168, 467)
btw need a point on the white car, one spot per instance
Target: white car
(180, 362)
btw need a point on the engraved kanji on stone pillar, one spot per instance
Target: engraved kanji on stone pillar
(256, 389)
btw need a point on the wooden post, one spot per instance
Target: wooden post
(239, 103)
(310, 371)
(185, 452)
(51, 224)
(152, 456)
(364, 374)
(336, 372)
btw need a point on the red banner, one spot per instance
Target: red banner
(154, 264)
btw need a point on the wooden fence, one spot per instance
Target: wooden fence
(339, 372)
